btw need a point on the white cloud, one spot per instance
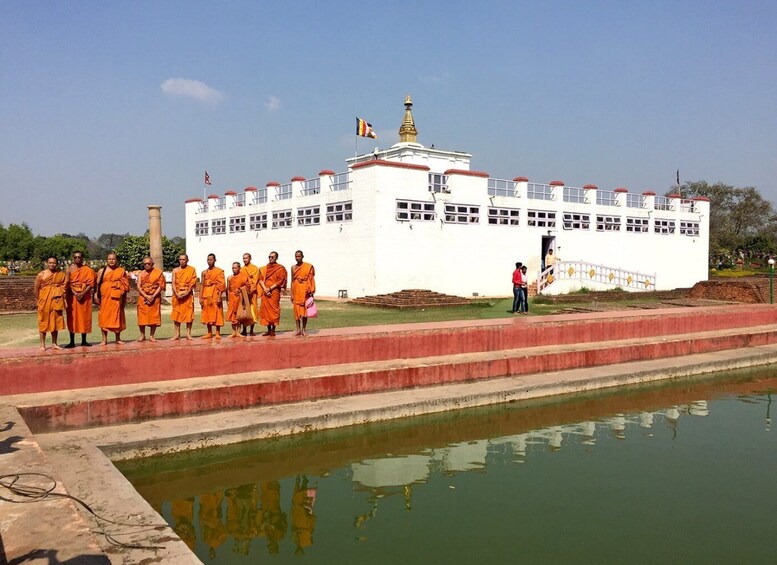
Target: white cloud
(189, 88)
(272, 103)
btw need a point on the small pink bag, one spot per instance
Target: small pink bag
(310, 304)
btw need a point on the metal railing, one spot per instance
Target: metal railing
(573, 194)
(311, 186)
(591, 272)
(502, 187)
(663, 203)
(537, 191)
(340, 181)
(635, 201)
(202, 208)
(260, 196)
(284, 192)
(240, 199)
(606, 198)
(221, 203)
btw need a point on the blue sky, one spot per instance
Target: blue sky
(106, 107)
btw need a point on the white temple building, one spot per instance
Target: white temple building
(412, 217)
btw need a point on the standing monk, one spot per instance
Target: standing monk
(252, 272)
(273, 282)
(79, 300)
(151, 285)
(238, 289)
(112, 288)
(50, 289)
(213, 286)
(303, 286)
(184, 283)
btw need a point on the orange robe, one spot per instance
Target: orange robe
(212, 528)
(183, 280)
(236, 282)
(303, 521)
(254, 275)
(151, 314)
(303, 284)
(113, 294)
(270, 309)
(213, 286)
(51, 302)
(79, 312)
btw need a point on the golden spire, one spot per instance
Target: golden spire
(407, 131)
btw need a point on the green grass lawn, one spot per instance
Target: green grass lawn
(17, 330)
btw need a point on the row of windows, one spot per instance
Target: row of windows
(415, 211)
(309, 216)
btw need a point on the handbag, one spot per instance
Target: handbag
(310, 306)
(244, 315)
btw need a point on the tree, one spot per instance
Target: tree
(59, 246)
(134, 248)
(737, 216)
(19, 243)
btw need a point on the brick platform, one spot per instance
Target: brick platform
(144, 381)
(16, 294)
(412, 298)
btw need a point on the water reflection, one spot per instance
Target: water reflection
(276, 491)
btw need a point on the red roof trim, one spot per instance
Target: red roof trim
(674, 196)
(193, 200)
(213, 196)
(394, 164)
(295, 179)
(648, 193)
(701, 199)
(621, 189)
(590, 187)
(556, 183)
(325, 172)
(466, 173)
(273, 183)
(230, 193)
(250, 189)
(520, 179)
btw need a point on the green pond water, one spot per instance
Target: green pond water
(684, 473)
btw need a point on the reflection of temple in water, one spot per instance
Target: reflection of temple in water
(229, 520)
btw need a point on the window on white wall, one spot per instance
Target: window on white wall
(608, 223)
(237, 224)
(281, 219)
(309, 216)
(540, 219)
(664, 226)
(503, 216)
(412, 211)
(258, 221)
(438, 182)
(339, 212)
(218, 226)
(689, 228)
(637, 225)
(201, 228)
(574, 221)
(462, 214)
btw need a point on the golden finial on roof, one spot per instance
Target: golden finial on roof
(407, 132)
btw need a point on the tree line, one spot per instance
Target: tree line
(18, 244)
(743, 224)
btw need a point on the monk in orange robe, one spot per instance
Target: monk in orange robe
(272, 283)
(303, 286)
(79, 300)
(151, 285)
(111, 296)
(184, 284)
(253, 274)
(50, 289)
(213, 286)
(303, 521)
(236, 283)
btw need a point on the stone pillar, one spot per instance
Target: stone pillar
(155, 235)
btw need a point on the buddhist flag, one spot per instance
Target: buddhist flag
(363, 129)
(207, 178)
